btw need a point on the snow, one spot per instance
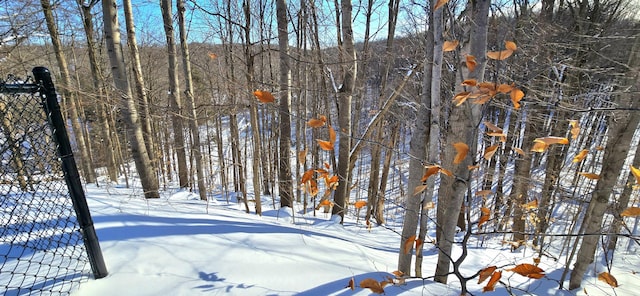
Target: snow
(179, 245)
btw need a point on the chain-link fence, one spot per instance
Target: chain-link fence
(47, 241)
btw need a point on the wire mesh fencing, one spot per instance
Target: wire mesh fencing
(44, 246)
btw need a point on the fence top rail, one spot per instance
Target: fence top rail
(19, 88)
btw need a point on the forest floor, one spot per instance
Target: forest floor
(179, 245)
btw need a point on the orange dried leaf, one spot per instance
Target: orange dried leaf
(419, 189)
(460, 98)
(485, 273)
(636, 173)
(505, 88)
(591, 176)
(539, 147)
(360, 204)
(373, 285)
(440, 3)
(325, 145)
(491, 285)
(450, 45)
(471, 63)
(302, 156)
(264, 96)
(492, 127)
(484, 217)
(528, 270)
(327, 165)
(313, 122)
(461, 152)
(429, 206)
(575, 129)
(630, 212)
(510, 45)
(470, 82)
(313, 187)
(212, 55)
(432, 170)
(408, 244)
(499, 55)
(516, 96)
(608, 278)
(418, 243)
(552, 140)
(473, 167)
(531, 205)
(484, 193)
(352, 284)
(490, 151)
(581, 155)
(306, 176)
(332, 135)
(325, 202)
(519, 151)
(398, 273)
(487, 86)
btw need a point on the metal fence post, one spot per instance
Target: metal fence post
(70, 169)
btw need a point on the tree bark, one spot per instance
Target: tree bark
(174, 95)
(341, 196)
(129, 113)
(622, 126)
(98, 81)
(463, 121)
(68, 97)
(285, 186)
(196, 150)
(141, 92)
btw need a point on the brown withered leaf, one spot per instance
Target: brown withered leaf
(471, 62)
(528, 270)
(499, 55)
(325, 145)
(491, 285)
(485, 273)
(630, 212)
(264, 96)
(373, 285)
(461, 152)
(591, 176)
(450, 45)
(608, 278)
(408, 244)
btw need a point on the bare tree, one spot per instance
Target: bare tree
(344, 109)
(174, 95)
(285, 186)
(191, 106)
(129, 112)
(68, 95)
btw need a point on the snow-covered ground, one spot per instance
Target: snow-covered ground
(179, 245)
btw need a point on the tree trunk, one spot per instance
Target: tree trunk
(621, 129)
(341, 196)
(141, 92)
(196, 151)
(174, 95)
(253, 108)
(285, 186)
(463, 121)
(129, 113)
(68, 96)
(98, 81)
(418, 152)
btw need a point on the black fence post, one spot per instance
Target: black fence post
(71, 176)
